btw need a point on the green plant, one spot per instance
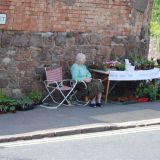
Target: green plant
(24, 100)
(7, 104)
(35, 96)
(155, 23)
(142, 62)
(113, 56)
(2, 94)
(135, 60)
(147, 89)
(156, 11)
(139, 90)
(152, 92)
(120, 66)
(24, 103)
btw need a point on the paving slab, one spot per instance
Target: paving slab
(41, 122)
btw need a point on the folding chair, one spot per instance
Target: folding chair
(79, 89)
(54, 82)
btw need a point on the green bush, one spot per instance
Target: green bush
(2, 94)
(35, 96)
(155, 23)
(7, 104)
(24, 100)
(120, 67)
(147, 89)
(24, 103)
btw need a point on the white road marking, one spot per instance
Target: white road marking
(79, 136)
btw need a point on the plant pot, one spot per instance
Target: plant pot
(141, 100)
(2, 112)
(24, 107)
(13, 111)
(123, 99)
(137, 67)
(129, 102)
(37, 103)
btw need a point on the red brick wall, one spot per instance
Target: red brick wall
(47, 32)
(111, 17)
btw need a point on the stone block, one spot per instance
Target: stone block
(141, 5)
(119, 50)
(3, 83)
(104, 50)
(16, 92)
(106, 41)
(21, 40)
(60, 40)
(6, 39)
(36, 40)
(0, 38)
(94, 39)
(81, 39)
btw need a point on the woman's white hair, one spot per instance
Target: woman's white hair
(80, 58)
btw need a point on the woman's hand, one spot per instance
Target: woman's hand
(88, 79)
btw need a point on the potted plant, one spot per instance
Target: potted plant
(152, 91)
(7, 104)
(35, 96)
(120, 66)
(142, 63)
(114, 56)
(140, 93)
(136, 61)
(146, 91)
(147, 64)
(24, 103)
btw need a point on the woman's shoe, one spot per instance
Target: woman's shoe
(92, 105)
(99, 104)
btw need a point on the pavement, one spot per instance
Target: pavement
(69, 120)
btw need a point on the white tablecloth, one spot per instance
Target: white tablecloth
(134, 75)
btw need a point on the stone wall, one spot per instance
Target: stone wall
(43, 32)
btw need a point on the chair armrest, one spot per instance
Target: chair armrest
(99, 80)
(72, 82)
(67, 80)
(84, 83)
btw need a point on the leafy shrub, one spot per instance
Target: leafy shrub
(120, 67)
(148, 90)
(24, 103)
(155, 23)
(7, 104)
(2, 94)
(35, 96)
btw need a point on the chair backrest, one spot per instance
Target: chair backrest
(53, 75)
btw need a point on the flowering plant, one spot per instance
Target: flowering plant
(111, 64)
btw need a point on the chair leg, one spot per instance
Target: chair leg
(79, 102)
(48, 107)
(65, 98)
(49, 94)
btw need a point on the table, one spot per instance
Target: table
(136, 75)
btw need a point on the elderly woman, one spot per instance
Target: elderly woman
(80, 73)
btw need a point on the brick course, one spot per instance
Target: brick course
(105, 16)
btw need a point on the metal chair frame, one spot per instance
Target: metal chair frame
(53, 83)
(74, 95)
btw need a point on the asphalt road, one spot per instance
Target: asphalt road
(129, 144)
